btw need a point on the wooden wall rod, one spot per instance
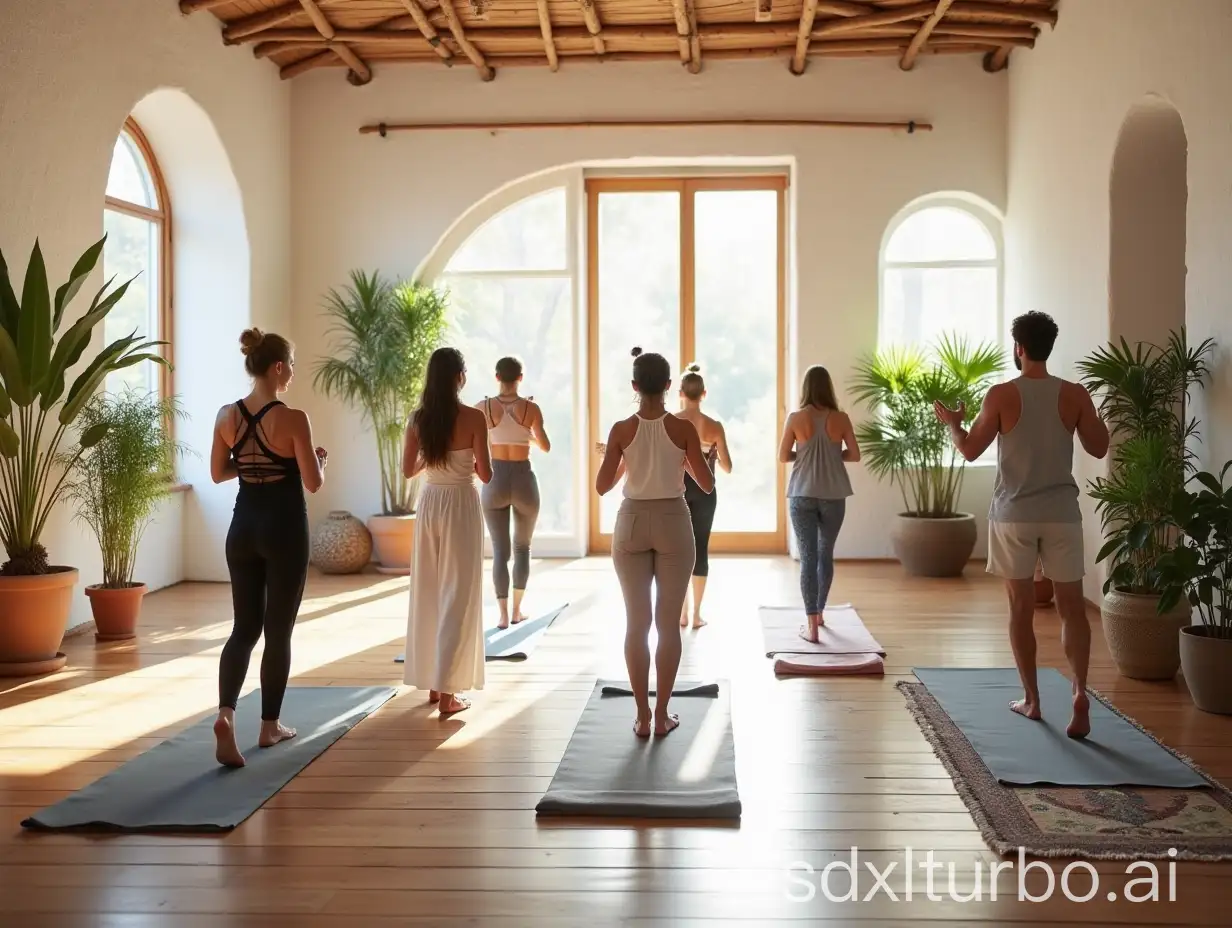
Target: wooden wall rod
(384, 128)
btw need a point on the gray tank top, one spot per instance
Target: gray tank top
(1035, 461)
(819, 471)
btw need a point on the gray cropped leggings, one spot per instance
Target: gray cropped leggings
(816, 523)
(513, 492)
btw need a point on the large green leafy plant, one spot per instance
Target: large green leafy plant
(904, 441)
(385, 335)
(1198, 567)
(37, 410)
(118, 483)
(1143, 392)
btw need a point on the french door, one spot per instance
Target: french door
(694, 269)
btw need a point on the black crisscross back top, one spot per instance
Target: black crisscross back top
(255, 463)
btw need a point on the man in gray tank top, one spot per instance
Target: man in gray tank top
(1034, 516)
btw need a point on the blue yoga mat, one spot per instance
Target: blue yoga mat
(1022, 752)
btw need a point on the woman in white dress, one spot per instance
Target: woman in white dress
(448, 443)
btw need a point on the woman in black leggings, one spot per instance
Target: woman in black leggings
(268, 446)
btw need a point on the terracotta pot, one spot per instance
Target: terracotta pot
(1144, 645)
(394, 540)
(939, 547)
(116, 610)
(33, 616)
(341, 544)
(1207, 664)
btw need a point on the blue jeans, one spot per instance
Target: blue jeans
(816, 523)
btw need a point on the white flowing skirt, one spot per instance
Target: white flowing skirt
(444, 632)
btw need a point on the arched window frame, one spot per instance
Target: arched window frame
(161, 217)
(987, 216)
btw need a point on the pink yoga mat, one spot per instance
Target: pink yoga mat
(829, 665)
(843, 632)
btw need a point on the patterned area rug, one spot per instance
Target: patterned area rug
(1096, 824)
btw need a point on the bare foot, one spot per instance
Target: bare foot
(1080, 725)
(684, 618)
(503, 624)
(809, 632)
(698, 622)
(666, 724)
(518, 617)
(433, 697)
(274, 732)
(641, 726)
(1027, 708)
(451, 704)
(226, 751)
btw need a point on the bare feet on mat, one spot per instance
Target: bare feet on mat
(274, 732)
(698, 622)
(665, 724)
(433, 697)
(1026, 708)
(451, 704)
(226, 751)
(1080, 725)
(518, 617)
(502, 624)
(641, 726)
(809, 632)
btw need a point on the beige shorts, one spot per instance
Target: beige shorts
(1014, 549)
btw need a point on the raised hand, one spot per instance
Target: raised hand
(322, 456)
(951, 417)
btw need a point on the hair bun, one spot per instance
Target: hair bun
(251, 339)
(694, 368)
(636, 352)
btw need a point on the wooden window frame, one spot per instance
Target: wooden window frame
(162, 218)
(721, 542)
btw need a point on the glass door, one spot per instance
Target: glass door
(694, 269)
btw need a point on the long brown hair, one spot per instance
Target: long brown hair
(438, 409)
(818, 389)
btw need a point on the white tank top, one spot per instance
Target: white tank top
(654, 465)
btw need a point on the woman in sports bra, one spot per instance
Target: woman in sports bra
(701, 504)
(818, 441)
(513, 423)
(268, 447)
(652, 544)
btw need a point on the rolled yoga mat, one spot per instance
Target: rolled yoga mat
(608, 771)
(1022, 752)
(515, 642)
(829, 665)
(178, 786)
(843, 633)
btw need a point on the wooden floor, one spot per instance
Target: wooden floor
(415, 821)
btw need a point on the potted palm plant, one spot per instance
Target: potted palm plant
(1142, 392)
(116, 489)
(385, 333)
(1196, 574)
(38, 407)
(905, 443)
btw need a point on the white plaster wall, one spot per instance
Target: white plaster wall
(1068, 99)
(363, 201)
(70, 73)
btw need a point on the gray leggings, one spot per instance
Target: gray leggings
(816, 523)
(513, 490)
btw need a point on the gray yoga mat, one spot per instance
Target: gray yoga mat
(608, 771)
(1022, 752)
(515, 642)
(178, 786)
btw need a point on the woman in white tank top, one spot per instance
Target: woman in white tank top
(653, 541)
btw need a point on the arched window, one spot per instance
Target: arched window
(511, 292)
(136, 219)
(941, 273)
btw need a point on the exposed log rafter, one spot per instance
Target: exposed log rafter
(695, 41)
(804, 36)
(591, 17)
(468, 49)
(545, 29)
(682, 29)
(428, 31)
(359, 73)
(918, 41)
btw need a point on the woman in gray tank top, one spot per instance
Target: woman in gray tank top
(818, 441)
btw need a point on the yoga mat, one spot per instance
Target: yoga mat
(515, 642)
(829, 665)
(843, 633)
(1022, 752)
(608, 771)
(178, 786)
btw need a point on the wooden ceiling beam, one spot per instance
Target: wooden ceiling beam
(590, 16)
(695, 41)
(459, 35)
(1015, 12)
(997, 60)
(803, 36)
(192, 6)
(359, 73)
(428, 31)
(258, 22)
(319, 22)
(682, 30)
(883, 18)
(907, 62)
(545, 29)
(843, 8)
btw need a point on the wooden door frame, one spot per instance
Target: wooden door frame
(774, 542)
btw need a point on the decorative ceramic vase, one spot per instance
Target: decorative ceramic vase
(933, 547)
(1144, 644)
(1207, 663)
(341, 544)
